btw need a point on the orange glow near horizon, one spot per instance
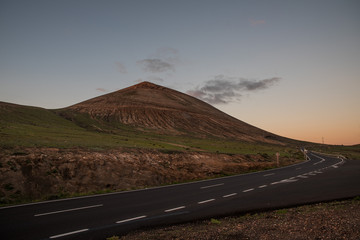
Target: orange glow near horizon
(341, 129)
(332, 138)
(319, 132)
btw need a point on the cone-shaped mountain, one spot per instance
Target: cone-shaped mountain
(150, 106)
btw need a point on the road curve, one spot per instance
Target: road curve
(321, 178)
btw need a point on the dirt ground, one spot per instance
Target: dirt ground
(325, 221)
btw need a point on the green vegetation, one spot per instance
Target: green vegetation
(214, 221)
(281, 211)
(23, 126)
(37, 127)
(113, 238)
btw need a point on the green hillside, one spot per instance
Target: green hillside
(37, 127)
(25, 126)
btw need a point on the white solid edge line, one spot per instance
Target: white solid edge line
(131, 219)
(67, 210)
(229, 195)
(69, 233)
(206, 201)
(210, 186)
(248, 190)
(174, 209)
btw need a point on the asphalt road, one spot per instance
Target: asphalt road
(321, 178)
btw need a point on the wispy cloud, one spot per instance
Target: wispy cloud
(120, 67)
(155, 65)
(256, 22)
(102, 90)
(222, 89)
(164, 60)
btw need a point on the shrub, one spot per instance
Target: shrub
(8, 187)
(113, 238)
(215, 221)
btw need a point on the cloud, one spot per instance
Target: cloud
(164, 60)
(155, 65)
(120, 67)
(256, 22)
(222, 89)
(102, 90)
(257, 85)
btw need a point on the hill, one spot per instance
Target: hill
(145, 115)
(150, 107)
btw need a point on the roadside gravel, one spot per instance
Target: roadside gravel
(326, 221)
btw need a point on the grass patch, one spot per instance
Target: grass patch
(281, 211)
(113, 238)
(214, 221)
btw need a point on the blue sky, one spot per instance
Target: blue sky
(289, 67)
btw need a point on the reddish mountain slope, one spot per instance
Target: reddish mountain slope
(150, 106)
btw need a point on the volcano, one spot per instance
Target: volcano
(150, 107)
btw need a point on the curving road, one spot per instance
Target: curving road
(321, 178)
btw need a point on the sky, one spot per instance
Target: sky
(289, 67)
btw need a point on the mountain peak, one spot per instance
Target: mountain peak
(147, 85)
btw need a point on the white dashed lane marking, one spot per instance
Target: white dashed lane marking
(69, 233)
(206, 201)
(248, 190)
(229, 195)
(131, 219)
(174, 209)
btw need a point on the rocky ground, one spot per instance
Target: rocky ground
(326, 221)
(28, 174)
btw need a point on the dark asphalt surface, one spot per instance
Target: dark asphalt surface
(321, 178)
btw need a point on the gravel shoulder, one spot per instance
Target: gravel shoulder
(333, 220)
